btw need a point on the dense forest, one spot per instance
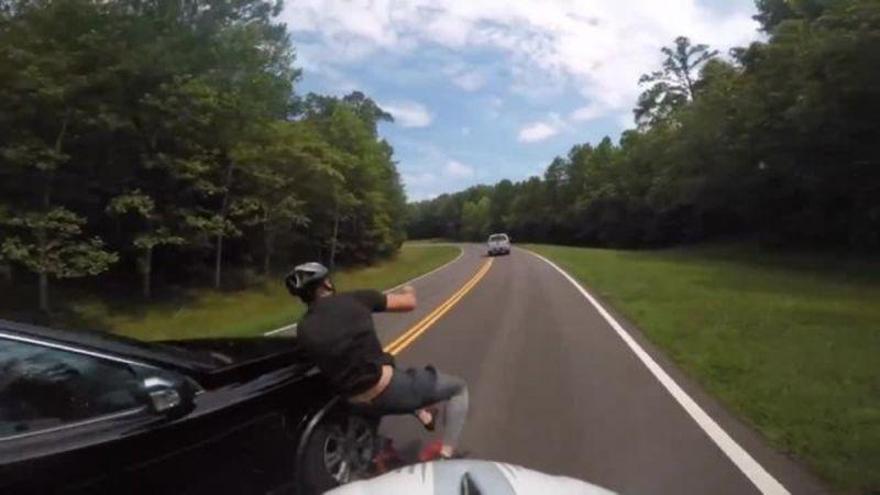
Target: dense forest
(777, 141)
(162, 142)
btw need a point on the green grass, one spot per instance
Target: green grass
(266, 306)
(791, 342)
(431, 240)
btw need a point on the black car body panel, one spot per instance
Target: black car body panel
(238, 434)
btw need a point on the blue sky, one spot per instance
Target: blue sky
(483, 90)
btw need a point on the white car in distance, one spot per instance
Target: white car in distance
(499, 244)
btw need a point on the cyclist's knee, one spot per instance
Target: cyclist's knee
(450, 385)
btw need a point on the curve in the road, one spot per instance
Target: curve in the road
(555, 390)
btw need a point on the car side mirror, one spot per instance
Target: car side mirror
(167, 396)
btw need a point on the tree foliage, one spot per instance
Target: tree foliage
(52, 244)
(475, 220)
(170, 134)
(780, 143)
(675, 84)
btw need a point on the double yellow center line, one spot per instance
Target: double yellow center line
(422, 326)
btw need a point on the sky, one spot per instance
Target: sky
(483, 90)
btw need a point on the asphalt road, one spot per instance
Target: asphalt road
(555, 388)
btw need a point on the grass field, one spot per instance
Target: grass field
(790, 342)
(204, 312)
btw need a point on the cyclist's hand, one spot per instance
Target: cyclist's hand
(402, 300)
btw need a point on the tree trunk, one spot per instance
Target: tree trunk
(267, 263)
(267, 254)
(147, 273)
(218, 259)
(44, 292)
(333, 239)
(42, 248)
(690, 84)
(42, 241)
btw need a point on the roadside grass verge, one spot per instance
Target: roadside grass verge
(198, 313)
(791, 342)
(428, 241)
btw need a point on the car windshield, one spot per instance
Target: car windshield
(497, 237)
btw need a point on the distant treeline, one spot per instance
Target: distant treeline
(779, 141)
(163, 140)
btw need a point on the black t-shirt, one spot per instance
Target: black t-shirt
(337, 332)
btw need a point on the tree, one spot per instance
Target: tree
(172, 129)
(502, 197)
(772, 12)
(51, 97)
(367, 110)
(672, 87)
(366, 209)
(245, 108)
(288, 167)
(51, 244)
(475, 219)
(153, 231)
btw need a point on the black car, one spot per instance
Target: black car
(84, 412)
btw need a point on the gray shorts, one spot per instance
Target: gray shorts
(411, 389)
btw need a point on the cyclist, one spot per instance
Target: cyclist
(338, 333)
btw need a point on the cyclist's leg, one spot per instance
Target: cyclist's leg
(412, 389)
(454, 392)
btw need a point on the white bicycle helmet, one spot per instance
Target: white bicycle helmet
(305, 277)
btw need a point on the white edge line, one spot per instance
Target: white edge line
(410, 281)
(280, 329)
(756, 473)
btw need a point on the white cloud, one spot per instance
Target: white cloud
(466, 78)
(408, 113)
(419, 179)
(536, 131)
(543, 129)
(458, 170)
(469, 81)
(598, 48)
(588, 112)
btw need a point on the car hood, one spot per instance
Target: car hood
(229, 351)
(237, 359)
(212, 361)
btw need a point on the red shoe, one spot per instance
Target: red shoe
(386, 459)
(431, 451)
